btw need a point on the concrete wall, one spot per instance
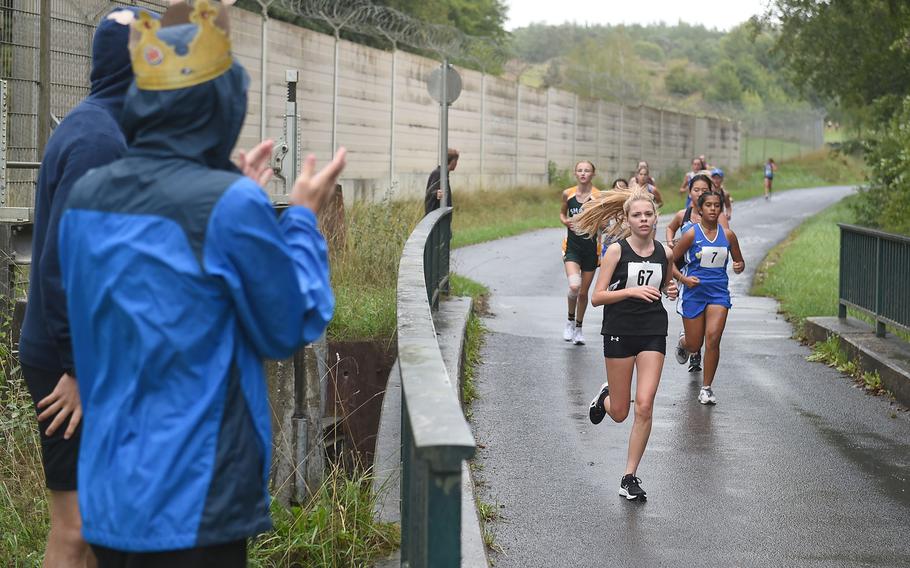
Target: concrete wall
(506, 133)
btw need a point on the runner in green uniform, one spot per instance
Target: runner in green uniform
(579, 254)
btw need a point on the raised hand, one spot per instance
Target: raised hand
(311, 189)
(255, 163)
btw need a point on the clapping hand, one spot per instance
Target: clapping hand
(255, 163)
(311, 189)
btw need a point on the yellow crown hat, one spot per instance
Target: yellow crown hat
(157, 65)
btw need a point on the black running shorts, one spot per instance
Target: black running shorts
(58, 455)
(622, 346)
(228, 555)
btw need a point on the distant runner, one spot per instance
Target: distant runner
(579, 254)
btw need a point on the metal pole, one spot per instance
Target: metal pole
(263, 71)
(575, 129)
(622, 140)
(335, 94)
(444, 134)
(546, 143)
(660, 141)
(517, 127)
(483, 118)
(44, 75)
(392, 117)
(597, 134)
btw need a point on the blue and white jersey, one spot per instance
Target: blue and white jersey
(769, 171)
(708, 259)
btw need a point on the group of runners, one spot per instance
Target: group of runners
(617, 231)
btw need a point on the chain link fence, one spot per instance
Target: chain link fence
(65, 57)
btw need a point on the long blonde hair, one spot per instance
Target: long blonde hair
(610, 210)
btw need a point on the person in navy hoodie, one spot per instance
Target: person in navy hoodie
(180, 279)
(88, 137)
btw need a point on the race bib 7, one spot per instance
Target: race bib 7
(713, 257)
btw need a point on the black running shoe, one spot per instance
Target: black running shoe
(630, 488)
(695, 362)
(597, 411)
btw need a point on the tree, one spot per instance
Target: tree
(851, 51)
(680, 80)
(725, 87)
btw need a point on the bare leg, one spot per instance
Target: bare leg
(619, 377)
(695, 332)
(767, 188)
(715, 321)
(65, 547)
(572, 268)
(649, 364)
(582, 304)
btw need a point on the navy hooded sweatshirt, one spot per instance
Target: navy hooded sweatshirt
(180, 280)
(88, 137)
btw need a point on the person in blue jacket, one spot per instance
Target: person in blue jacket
(180, 280)
(88, 137)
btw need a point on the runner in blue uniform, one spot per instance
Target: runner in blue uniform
(633, 273)
(683, 221)
(704, 300)
(770, 168)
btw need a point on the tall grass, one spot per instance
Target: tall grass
(335, 529)
(364, 265)
(24, 517)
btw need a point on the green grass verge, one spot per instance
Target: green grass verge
(757, 150)
(488, 215)
(802, 271)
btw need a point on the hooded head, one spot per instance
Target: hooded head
(200, 123)
(112, 71)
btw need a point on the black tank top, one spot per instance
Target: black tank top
(633, 316)
(577, 242)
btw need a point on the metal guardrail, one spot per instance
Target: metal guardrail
(435, 437)
(874, 268)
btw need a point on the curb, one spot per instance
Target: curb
(888, 355)
(451, 323)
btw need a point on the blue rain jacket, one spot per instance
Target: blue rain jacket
(180, 280)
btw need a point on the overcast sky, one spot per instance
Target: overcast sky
(722, 15)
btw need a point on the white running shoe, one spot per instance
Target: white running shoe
(706, 396)
(569, 332)
(577, 337)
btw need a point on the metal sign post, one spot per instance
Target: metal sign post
(444, 85)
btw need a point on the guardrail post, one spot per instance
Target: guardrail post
(879, 284)
(841, 306)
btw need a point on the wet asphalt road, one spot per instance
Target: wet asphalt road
(793, 467)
